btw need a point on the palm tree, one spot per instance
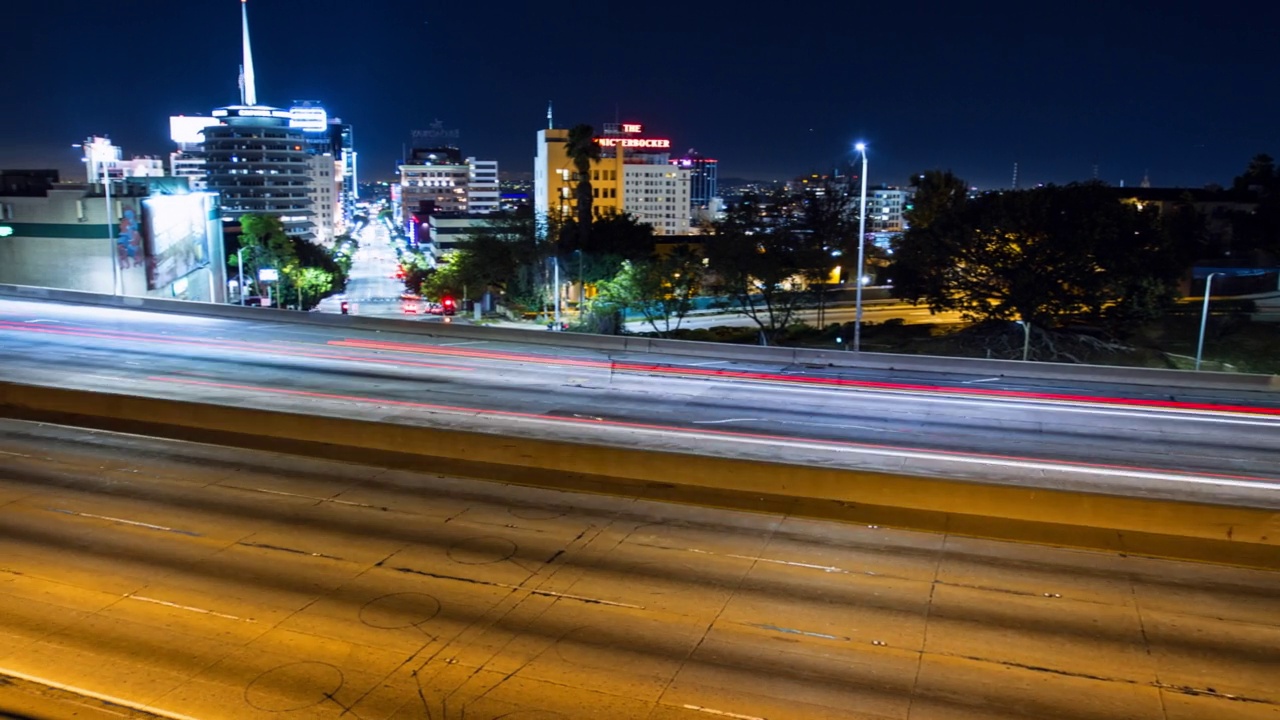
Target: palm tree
(583, 150)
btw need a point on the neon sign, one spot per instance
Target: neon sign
(632, 128)
(632, 142)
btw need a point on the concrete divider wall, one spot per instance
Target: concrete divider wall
(1142, 526)
(686, 348)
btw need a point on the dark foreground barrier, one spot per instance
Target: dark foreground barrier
(1164, 528)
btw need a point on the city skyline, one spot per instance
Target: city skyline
(1065, 94)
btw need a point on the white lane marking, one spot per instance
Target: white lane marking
(715, 362)
(468, 342)
(721, 713)
(793, 631)
(140, 707)
(983, 380)
(135, 523)
(580, 598)
(1076, 406)
(188, 607)
(42, 321)
(728, 420)
(808, 566)
(107, 377)
(305, 497)
(6, 452)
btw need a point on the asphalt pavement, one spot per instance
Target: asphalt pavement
(194, 581)
(1215, 446)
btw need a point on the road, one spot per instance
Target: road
(1194, 445)
(231, 584)
(372, 288)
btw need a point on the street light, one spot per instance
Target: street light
(1026, 338)
(582, 285)
(240, 268)
(113, 252)
(1204, 317)
(862, 230)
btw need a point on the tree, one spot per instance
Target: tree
(1260, 176)
(762, 268)
(583, 150)
(307, 271)
(1036, 255)
(829, 214)
(660, 288)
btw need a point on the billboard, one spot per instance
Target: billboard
(179, 232)
(184, 129)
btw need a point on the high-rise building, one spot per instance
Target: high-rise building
(187, 134)
(483, 194)
(103, 158)
(634, 175)
(657, 194)
(326, 134)
(439, 180)
(554, 180)
(257, 160)
(886, 208)
(259, 165)
(704, 190)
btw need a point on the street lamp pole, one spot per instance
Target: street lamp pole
(556, 260)
(1204, 317)
(112, 240)
(1026, 339)
(862, 239)
(240, 268)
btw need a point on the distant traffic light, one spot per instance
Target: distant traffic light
(346, 308)
(448, 305)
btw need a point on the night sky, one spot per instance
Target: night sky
(1184, 90)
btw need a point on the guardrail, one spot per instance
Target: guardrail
(683, 348)
(1158, 527)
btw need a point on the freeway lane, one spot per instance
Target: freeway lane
(853, 417)
(230, 584)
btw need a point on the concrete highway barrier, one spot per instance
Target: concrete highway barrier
(639, 345)
(1163, 528)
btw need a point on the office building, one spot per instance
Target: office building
(187, 160)
(102, 158)
(704, 191)
(634, 175)
(554, 180)
(329, 135)
(483, 194)
(439, 180)
(256, 161)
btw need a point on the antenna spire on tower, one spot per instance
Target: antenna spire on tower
(550, 124)
(249, 91)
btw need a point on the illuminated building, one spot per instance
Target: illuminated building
(704, 191)
(102, 156)
(187, 133)
(439, 180)
(483, 194)
(162, 240)
(886, 208)
(329, 135)
(634, 175)
(258, 164)
(554, 179)
(256, 160)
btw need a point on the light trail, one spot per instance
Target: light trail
(1009, 461)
